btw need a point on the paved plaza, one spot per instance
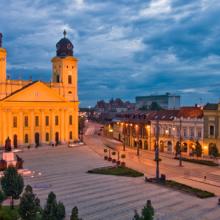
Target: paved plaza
(99, 197)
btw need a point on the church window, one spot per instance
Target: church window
(211, 130)
(70, 135)
(70, 79)
(56, 120)
(47, 137)
(57, 78)
(67, 67)
(70, 92)
(36, 121)
(70, 120)
(47, 120)
(15, 122)
(26, 138)
(26, 121)
(72, 67)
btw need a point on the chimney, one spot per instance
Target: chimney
(1, 39)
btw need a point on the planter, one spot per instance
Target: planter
(123, 164)
(109, 159)
(105, 158)
(113, 160)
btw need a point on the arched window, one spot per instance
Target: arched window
(26, 138)
(69, 79)
(70, 135)
(26, 121)
(56, 120)
(70, 120)
(47, 137)
(15, 122)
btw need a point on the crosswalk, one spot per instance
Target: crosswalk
(101, 197)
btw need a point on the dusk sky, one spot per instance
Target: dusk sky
(125, 48)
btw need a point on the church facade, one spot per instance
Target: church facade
(36, 112)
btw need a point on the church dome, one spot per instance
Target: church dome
(64, 47)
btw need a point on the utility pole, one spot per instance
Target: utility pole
(157, 151)
(180, 143)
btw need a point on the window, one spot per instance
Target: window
(70, 135)
(184, 132)
(26, 138)
(69, 79)
(26, 121)
(191, 132)
(47, 120)
(70, 92)
(57, 78)
(47, 137)
(15, 122)
(56, 120)
(211, 130)
(199, 133)
(70, 120)
(36, 121)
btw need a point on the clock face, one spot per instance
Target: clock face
(69, 46)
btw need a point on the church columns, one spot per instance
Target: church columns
(4, 128)
(31, 126)
(52, 135)
(21, 128)
(9, 122)
(42, 126)
(66, 126)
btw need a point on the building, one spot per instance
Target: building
(140, 130)
(166, 101)
(212, 126)
(34, 113)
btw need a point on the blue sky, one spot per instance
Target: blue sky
(125, 47)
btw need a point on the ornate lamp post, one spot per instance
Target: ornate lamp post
(180, 143)
(157, 151)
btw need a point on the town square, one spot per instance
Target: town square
(109, 110)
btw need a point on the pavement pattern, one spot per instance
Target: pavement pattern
(101, 197)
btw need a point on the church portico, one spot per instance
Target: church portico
(35, 113)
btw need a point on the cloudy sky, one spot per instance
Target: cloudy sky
(126, 47)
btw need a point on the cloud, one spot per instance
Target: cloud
(125, 48)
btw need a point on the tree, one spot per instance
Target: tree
(29, 207)
(12, 184)
(2, 198)
(147, 212)
(198, 149)
(52, 210)
(154, 106)
(74, 214)
(213, 150)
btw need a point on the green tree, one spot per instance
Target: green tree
(147, 212)
(213, 150)
(198, 149)
(154, 106)
(2, 198)
(29, 207)
(75, 214)
(52, 210)
(12, 184)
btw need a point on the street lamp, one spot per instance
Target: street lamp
(157, 151)
(137, 139)
(180, 143)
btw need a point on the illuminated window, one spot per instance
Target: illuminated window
(15, 122)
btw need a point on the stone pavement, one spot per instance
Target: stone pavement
(100, 197)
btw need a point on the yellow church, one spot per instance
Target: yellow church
(35, 112)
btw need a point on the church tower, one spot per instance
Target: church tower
(3, 55)
(65, 68)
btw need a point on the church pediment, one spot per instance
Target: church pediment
(35, 92)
